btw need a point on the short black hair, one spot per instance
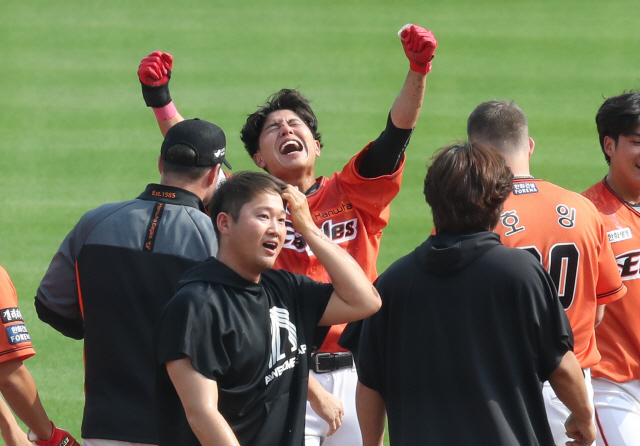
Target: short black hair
(238, 190)
(618, 115)
(285, 99)
(466, 186)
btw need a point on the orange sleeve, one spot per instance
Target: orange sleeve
(371, 196)
(15, 341)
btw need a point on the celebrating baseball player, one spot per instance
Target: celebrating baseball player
(616, 379)
(562, 229)
(234, 339)
(351, 207)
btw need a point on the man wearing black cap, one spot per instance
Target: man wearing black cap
(114, 272)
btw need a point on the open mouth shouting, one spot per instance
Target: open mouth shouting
(291, 146)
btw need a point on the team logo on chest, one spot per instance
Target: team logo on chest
(338, 232)
(629, 265)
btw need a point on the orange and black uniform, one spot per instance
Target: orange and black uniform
(619, 333)
(351, 208)
(564, 231)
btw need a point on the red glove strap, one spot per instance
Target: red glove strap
(420, 67)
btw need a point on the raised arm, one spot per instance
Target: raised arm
(154, 73)
(385, 153)
(199, 397)
(568, 383)
(354, 297)
(419, 46)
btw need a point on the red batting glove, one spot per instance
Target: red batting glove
(155, 69)
(154, 73)
(419, 46)
(59, 437)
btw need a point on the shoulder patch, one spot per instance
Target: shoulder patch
(11, 315)
(619, 235)
(18, 333)
(525, 188)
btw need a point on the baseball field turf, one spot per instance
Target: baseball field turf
(76, 133)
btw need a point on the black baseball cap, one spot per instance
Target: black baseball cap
(207, 140)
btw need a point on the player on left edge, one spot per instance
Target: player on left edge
(16, 383)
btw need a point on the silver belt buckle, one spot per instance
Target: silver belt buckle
(316, 364)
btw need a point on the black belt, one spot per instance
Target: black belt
(329, 362)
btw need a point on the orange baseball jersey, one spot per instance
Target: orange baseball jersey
(565, 232)
(351, 211)
(15, 341)
(619, 333)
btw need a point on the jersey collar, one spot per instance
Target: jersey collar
(172, 195)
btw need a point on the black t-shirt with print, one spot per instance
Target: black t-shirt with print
(224, 323)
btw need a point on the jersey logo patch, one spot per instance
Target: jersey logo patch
(338, 232)
(17, 333)
(525, 188)
(619, 235)
(510, 221)
(344, 207)
(629, 265)
(10, 315)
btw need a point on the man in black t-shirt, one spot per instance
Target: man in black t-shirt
(232, 344)
(469, 329)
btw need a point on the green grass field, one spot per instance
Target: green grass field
(76, 133)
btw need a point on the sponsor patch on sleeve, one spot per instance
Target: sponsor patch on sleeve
(525, 188)
(18, 333)
(619, 235)
(10, 315)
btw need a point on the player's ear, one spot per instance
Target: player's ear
(223, 221)
(532, 145)
(160, 164)
(318, 148)
(609, 145)
(257, 159)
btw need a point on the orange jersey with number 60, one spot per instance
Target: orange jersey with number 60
(619, 333)
(566, 234)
